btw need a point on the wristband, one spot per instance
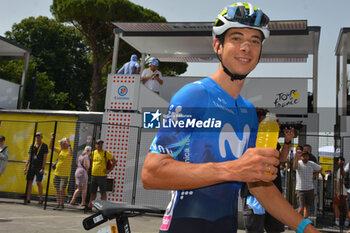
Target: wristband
(288, 143)
(303, 224)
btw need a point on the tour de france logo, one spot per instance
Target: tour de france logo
(122, 90)
(284, 99)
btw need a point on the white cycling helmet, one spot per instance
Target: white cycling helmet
(241, 15)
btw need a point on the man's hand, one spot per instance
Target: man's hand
(288, 134)
(258, 164)
(106, 171)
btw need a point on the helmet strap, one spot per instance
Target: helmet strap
(233, 76)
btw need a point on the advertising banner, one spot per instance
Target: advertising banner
(281, 96)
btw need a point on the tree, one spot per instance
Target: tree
(61, 59)
(94, 20)
(46, 96)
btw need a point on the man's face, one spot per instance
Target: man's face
(261, 118)
(1, 142)
(154, 68)
(99, 146)
(38, 139)
(241, 50)
(64, 145)
(306, 148)
(305, 158)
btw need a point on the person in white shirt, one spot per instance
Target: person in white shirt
(152, 77)
(304, 184)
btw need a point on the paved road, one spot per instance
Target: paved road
(18, 218)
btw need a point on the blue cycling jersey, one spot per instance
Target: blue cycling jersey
(231, 129)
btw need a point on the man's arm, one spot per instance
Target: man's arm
(158, 79)
(161, 171)
(296, 161)
(27, 162)
(144, 78)
(288, 136)
(69, 147)
(339, 184)
(279, 207)
(44, 163)
(51, 143)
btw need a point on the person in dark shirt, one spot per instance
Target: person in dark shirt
(36, 161)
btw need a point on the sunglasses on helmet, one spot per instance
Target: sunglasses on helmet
(240, 14)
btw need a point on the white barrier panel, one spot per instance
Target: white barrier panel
(121, 140)
(122, 92)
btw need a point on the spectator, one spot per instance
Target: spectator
(36, 161)
(62, 171)
(340, 195)
(304, 184)
(152, 77)
(81, 176)
(254, 216)
(312, 157)
(4, 155)
(99, 171)
(131, 67)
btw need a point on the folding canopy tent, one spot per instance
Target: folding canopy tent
(12, 50)
(290, 41)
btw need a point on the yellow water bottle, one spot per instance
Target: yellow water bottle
(268, 133)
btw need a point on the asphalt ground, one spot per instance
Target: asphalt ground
(32, 218)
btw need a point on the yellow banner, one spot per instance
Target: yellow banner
(18, 130)
(324, 159)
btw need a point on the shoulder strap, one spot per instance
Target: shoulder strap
(105, 155)
(3, 149)
(92, 156)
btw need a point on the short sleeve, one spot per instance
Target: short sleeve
(45, 149)
(30, 149)
(144, 73)
(160, 75)
(109, 155)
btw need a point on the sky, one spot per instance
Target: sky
(331, 16)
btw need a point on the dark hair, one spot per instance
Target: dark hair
(307, 145)
(261, 112)
(300, 147)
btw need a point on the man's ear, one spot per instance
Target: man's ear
(217, 46)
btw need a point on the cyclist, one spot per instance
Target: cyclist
(206, 165)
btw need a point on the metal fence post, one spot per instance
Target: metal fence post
(50, 166)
